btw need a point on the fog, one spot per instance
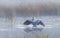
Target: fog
(30, 10)
(14, 13)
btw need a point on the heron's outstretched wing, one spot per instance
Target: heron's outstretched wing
(40, 22)
(27, 22)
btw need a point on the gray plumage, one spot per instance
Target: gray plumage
(34, 23)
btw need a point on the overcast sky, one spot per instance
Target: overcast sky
(27, 1)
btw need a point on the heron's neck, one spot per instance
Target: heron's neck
(33, 19)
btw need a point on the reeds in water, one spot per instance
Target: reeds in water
(44, 36)
(26, 36)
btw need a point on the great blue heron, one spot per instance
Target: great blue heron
(34, 22)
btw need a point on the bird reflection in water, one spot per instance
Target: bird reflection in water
(35, 23)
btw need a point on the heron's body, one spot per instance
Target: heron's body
(34, 22)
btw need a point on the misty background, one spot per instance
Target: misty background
(13, 13)
(21, 8)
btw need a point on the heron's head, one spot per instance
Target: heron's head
(32, 18)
